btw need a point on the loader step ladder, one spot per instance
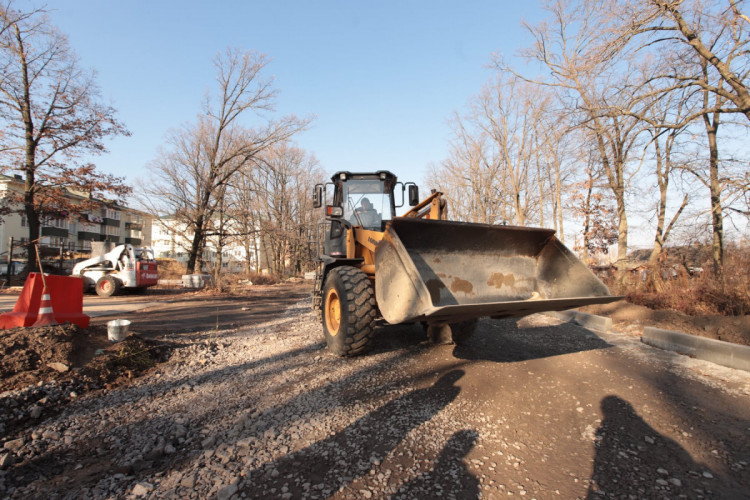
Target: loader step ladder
(317, 295)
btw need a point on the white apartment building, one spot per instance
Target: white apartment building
(111, 222)
(171, 240)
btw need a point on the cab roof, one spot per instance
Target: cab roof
(384, 174)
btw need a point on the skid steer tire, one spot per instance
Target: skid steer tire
(349, 311)
(463, 330)
(107, 286)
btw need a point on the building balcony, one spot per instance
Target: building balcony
(112, 239)
(134, 226)
(91, 218)
(89, 236)
(54, 231)
(133, 241)
(111, 222)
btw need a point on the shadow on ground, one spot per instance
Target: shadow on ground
(636, 461)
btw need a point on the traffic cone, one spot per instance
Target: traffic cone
(46, 316)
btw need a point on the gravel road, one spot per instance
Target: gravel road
(534, 408)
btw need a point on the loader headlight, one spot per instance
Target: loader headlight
(334, 211)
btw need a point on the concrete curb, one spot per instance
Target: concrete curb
(590, 321)
(716, 351)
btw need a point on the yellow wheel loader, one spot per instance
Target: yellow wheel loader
(421, 268)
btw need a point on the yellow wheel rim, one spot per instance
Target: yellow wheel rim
(333, 312)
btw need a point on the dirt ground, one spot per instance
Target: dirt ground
(182, 312)
(29, 355)
(237, 397)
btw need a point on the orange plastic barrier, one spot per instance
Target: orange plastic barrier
(66, 293)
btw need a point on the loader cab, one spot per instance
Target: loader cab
(360, 199)
(366, 199)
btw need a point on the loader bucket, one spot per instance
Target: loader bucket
(445, 272)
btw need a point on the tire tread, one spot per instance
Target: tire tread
(358, 327)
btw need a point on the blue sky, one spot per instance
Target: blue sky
(382, 77)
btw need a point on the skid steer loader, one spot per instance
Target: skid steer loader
(122, 267)
(421, 268)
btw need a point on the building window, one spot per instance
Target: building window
(23, 220)
(113, 214)
(113, 231)
(56, 222)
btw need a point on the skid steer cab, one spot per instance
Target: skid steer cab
(124, 267)
(421, 268)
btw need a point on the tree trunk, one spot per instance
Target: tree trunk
(196, 246)
(558, 204)
(248, 253)
(717, 224)
(520, 218)
(540, 183)
(662, 179)
(32, 219)
(219, 263)
(587, 220)
(32, 216)
(622, 229)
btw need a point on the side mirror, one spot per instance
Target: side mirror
(413, 195)
(318, 196)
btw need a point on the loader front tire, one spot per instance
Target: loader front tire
(463, 330)
(107, 286)
(349, 311)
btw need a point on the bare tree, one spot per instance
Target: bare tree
(556, 157)
(494, 172)
(665, 143)
(204, 157)
(699, 49)
(245, 210)
(51, 116)
(506, 111)
(712, 36)
(592, 84)
(469, 178)
(286, 221)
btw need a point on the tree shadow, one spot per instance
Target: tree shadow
(510, 340)
(449, 477)
(634, 460)
(333, 463)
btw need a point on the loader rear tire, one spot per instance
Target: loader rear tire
(107, 286)
(349, 311)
